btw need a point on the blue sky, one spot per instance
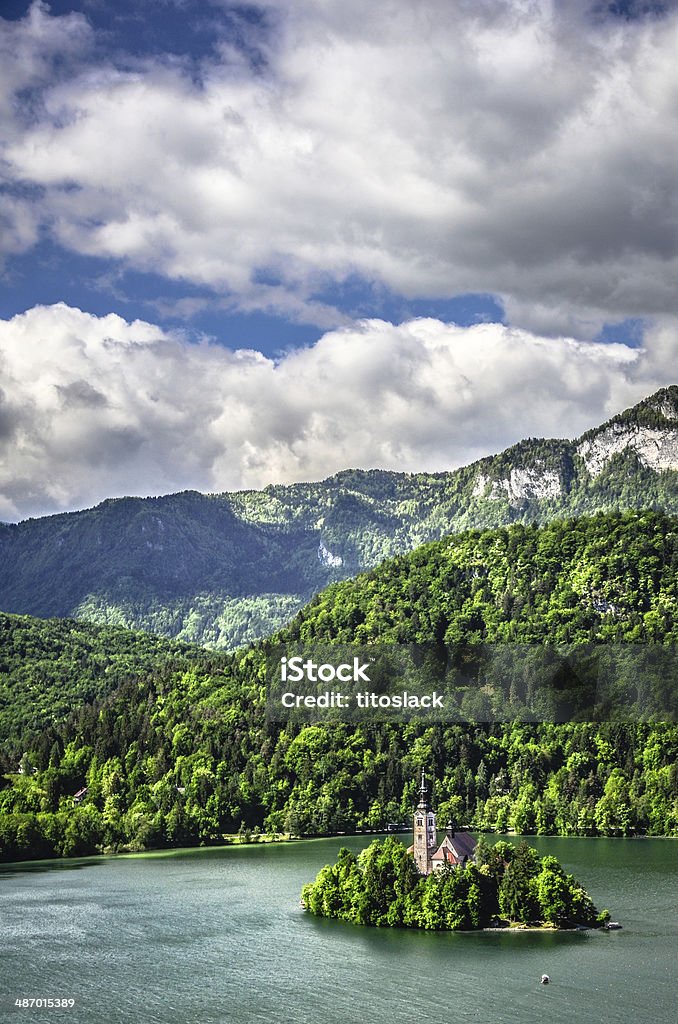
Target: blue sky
(304, 179)
(49, 274)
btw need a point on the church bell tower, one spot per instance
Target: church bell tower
(424, 829)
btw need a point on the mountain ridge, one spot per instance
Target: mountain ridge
(225, 569)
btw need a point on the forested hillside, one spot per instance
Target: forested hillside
(605, 578)
(181, 754)
(48, 667)
(225, 569)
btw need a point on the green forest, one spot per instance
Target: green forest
(505, 885)
(172, 746)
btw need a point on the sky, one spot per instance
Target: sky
(244, 244)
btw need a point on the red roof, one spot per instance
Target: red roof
(455, 849)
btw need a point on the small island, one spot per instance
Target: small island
(461, 885)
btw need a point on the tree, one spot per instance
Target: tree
(552, 891)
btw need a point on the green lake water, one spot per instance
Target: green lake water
(212, 936)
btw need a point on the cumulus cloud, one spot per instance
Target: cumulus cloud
(527, 149)
(94, 406)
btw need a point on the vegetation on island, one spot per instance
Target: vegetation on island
(505, 886)
(223, 570)
(173, 747)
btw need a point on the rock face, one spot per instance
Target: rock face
(522, 483)
(651, 434)
(649, 431)
(327, 558)
(656, 448)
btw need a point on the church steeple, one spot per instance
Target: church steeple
(424, 829)
(423, 793)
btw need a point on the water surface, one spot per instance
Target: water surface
(212, 936)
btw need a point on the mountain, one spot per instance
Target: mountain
(180, 751)
(225, 569)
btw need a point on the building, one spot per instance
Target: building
(456, 848)
(425, 841)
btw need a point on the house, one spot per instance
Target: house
(456, 848)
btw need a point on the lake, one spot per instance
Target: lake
(217, 935)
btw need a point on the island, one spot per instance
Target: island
(503, 886)
(457, 885)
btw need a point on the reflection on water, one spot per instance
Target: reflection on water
(34, 867)
(218, 935)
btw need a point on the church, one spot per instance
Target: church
(456, 849)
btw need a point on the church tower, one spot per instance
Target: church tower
(424, 829)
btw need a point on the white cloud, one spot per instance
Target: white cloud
(520, 149)
(94, 406)
(32, 50)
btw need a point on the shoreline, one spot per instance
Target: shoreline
(541, 928)
(232, 840)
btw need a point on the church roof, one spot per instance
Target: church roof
(455, 848)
